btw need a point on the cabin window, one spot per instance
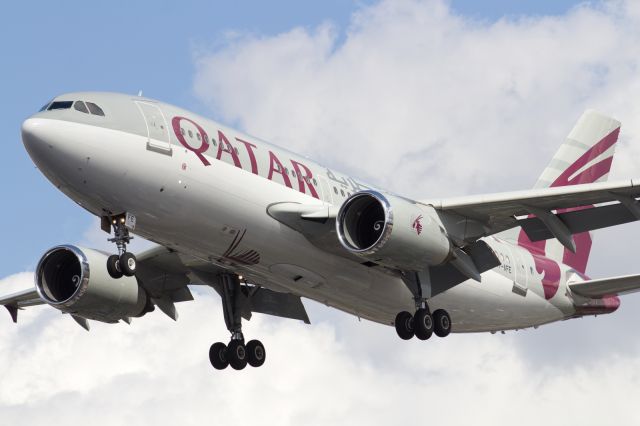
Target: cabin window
(342, 192)
(315, 182)
(198, 135)
(60, 105)
(335, 190)
(80, 106)
(95, 109)
(190, 134)
(182, 131)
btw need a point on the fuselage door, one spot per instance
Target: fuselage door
(157, 131)
(521, 270)
(325, 193)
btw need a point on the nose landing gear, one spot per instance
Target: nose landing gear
(123, 263)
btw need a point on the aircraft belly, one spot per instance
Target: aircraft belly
(492, 305)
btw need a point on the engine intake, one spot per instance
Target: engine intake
(392, 231)
(76, 280)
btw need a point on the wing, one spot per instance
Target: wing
(607, 287)
(543, 213)
(20, 300)
(166, 274)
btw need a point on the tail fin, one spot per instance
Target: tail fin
(586, 154)
(584, 157)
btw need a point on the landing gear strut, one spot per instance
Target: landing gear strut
(423, 324)
(123, 263)
(236, 354)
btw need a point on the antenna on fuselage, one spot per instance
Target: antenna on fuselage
(139, 93)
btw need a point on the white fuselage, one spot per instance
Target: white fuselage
(201, 209)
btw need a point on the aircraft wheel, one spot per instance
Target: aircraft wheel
(256, 354)
(217, 356)
(113, 266)
(128, 264)
(404, 325)
(237, 355)
(442, 323)
(423, 324)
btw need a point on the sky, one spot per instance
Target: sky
(426, 98)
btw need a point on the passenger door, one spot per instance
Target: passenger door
(157, 130)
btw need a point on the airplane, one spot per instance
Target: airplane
(265, 227)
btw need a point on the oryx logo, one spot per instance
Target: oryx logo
(417, 225)
(233, 255)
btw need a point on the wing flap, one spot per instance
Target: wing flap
(283, 305)
(597, 289)
(580, 221)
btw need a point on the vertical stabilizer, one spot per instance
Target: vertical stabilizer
(586, 154)
(584, 157)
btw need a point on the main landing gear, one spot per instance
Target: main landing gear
(123, 263)
(236, 354)
(423, 324)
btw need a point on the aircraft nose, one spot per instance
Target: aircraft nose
(33, 130)
(39, 139)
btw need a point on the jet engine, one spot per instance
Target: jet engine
(392, 231)
(75, 280)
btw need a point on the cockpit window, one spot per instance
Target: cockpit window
(95, 109)
(80, 106)
(60, 105)
(44, 107)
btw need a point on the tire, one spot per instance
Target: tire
(113, 266)
(217, 356)
(256, 354)
(442, 323)
(237, 355)
(128, 264)
(404, 325)
(423, 324)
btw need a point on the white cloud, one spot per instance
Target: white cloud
(337, 372)
(441, 105)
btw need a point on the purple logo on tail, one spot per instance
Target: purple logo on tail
(571, 176)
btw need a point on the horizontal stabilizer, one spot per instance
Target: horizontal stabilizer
(607, 287)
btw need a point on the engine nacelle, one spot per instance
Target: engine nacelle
(392, 231)
(76, 281)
